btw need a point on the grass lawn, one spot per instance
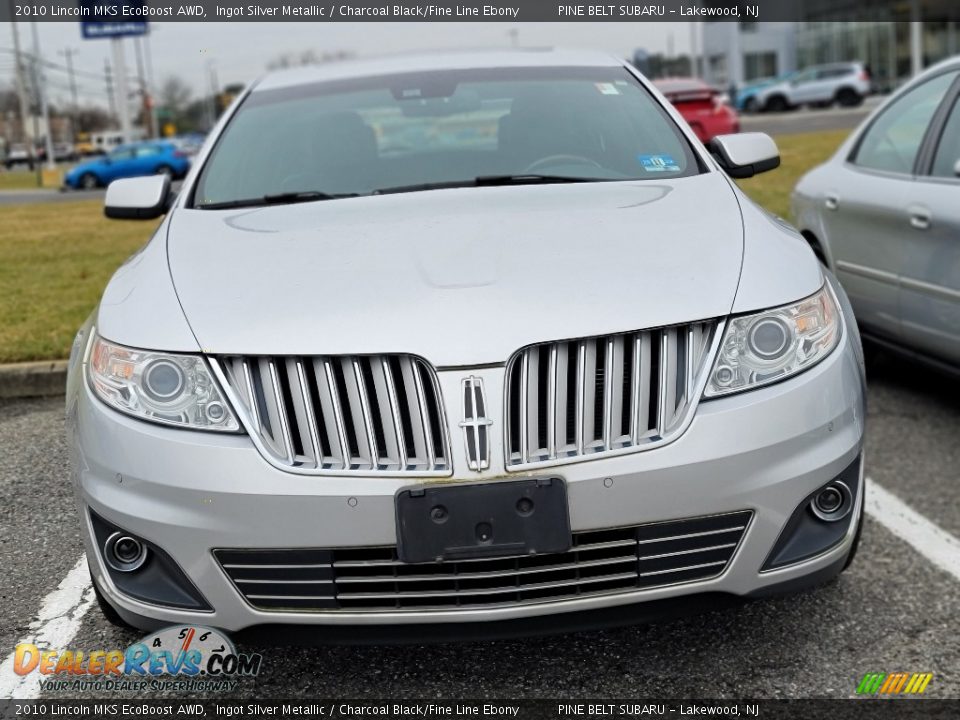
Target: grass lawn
(55, 260)
(798, 153)
(18, 180)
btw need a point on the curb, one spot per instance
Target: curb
(33, 379)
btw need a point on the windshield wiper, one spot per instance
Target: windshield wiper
(489, 181)
(286, 198)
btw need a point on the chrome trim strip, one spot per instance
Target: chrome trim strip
(682, 569)
(867, 272)
(449, 577)
(691, 535)
(687, 552)
(932, 289)
(486, 591)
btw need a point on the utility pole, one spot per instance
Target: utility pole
(120, 78)
(154, 118)
(21, 87)
(42, 92)
(109, 77)
(68, 53)
(144, 99)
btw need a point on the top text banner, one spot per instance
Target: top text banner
(412, 11)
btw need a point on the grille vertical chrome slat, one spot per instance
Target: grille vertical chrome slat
(341, 414)
(630, 390)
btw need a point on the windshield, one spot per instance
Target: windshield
(442, 129)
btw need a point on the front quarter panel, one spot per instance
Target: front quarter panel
(778, 265)
(140, 307)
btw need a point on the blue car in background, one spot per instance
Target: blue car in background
(153, 157)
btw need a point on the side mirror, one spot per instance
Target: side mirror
(142, 198)
(956, 169)
(745, 154)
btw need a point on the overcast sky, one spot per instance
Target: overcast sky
(240, 51)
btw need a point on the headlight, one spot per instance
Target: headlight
(774, 344)
(164, 388)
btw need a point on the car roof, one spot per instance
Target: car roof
(423, 62)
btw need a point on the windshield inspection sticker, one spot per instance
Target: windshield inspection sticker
(658, 163)
(607, 88)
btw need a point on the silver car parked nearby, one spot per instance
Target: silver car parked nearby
(884, 214)
(479, 343)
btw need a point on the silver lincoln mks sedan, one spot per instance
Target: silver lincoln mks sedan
(469, 344)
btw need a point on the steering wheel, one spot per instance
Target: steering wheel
(558, 159)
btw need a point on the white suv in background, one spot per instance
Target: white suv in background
(846, 84)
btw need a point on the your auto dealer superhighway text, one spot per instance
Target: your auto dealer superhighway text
(334, 11)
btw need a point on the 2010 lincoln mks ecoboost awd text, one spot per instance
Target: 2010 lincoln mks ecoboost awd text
(483, 343)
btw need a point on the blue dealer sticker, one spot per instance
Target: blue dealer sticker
(658, 163)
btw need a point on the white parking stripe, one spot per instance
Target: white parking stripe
(54, 627)
(935, 544)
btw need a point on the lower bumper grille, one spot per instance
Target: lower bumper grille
(600, 562)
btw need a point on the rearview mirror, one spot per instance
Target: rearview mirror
(745, 154)
(142, 198)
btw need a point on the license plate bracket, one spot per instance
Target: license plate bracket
(482, 520)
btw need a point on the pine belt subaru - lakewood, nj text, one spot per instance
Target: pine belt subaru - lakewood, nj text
(481, 343)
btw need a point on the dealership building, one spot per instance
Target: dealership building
(895, 38)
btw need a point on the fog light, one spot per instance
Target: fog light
(124, 553)
(833, 502)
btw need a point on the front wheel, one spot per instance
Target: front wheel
(778, 103)
(751, 105)
(847, 97)
(88, 181)
(165, 170)
(108, 611)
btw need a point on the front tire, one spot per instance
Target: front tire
(165, 170)
(88, 181)
(751, 106)
(111, 615)
(848, 97)
(778, 103)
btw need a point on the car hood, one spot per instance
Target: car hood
(460, 277)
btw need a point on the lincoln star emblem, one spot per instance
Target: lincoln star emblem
(475, 424)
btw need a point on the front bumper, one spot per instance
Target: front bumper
(192, 492)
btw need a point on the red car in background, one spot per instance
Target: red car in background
(705, 108)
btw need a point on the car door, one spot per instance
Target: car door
(930, 278)
(866, 205)
(146, 160)
(121, 162)
(803, 87)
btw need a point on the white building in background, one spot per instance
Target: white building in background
(736, 53)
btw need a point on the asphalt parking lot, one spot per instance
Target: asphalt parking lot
(894, 610)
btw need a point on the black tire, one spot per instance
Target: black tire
(112, 616)
(165, 170)
(751, 105)
(88, 181)
(777, 103)
(848, 97)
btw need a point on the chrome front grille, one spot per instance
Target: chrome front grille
(601, 562)
(341, 413)
(602, 394)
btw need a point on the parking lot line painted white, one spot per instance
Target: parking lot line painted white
(53, 628)
(935, 544)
